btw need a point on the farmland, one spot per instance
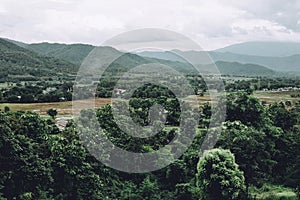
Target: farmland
(65, 108)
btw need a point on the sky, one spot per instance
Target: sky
(212, 24)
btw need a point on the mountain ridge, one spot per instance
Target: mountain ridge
(263, 48)
(19, 63)
(75, 53)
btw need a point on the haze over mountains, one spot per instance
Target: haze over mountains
(289, 63)
(279, 56)
(246, 59)
(272, 49)
(283, 64)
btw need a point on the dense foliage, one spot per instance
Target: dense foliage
(218, 176)
(39, 161)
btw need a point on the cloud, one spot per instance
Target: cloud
(212, 24)
(284, 12)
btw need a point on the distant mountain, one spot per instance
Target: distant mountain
(128, 61)
(165, 55)
(18, 63)
(201, 57)
(283, 64)
(273, 49)
(235, 68)
(226, 68)
(74, 53)
(228, 63)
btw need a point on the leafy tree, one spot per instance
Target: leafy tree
(149, 190)
(23, 157)
(13, 99)
(251, 148)
(281, 117)
(288, 103)
(219, 177)
(52, 113)
(245, 108)
(293, 171)
(27, 98)
(129, 191)
(6, 109)
(74, 177)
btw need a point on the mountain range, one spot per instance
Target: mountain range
(246, 59)
(268, 48)
(289, 63)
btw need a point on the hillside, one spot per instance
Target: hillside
(165, 55)
(76, 53)
(278, 56)
(73, 53)
(17, 63)
(284, 64)
(18, 43)
(231, 65)
(273, 49)
(235, 68)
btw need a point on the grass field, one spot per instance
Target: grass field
(274, 192)
(276, 96)
(65, 108)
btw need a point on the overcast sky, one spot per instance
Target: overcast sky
(212, 24)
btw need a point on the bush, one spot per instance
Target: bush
(272, 192)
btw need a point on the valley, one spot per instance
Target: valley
(53, 152)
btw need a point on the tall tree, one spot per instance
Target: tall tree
(246, 108)
(219, 177)
(252, 150)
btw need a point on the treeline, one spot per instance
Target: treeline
(38, 161)
(39, 92)
(105, 88)
(263, 83)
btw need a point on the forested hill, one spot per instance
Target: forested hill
(235, 68)
(74, 53)
(225, 67)
(17, 63)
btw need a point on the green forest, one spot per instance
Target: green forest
(257, 152)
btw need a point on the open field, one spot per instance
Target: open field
(276, 96)
(272, 191)
(65, 108)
